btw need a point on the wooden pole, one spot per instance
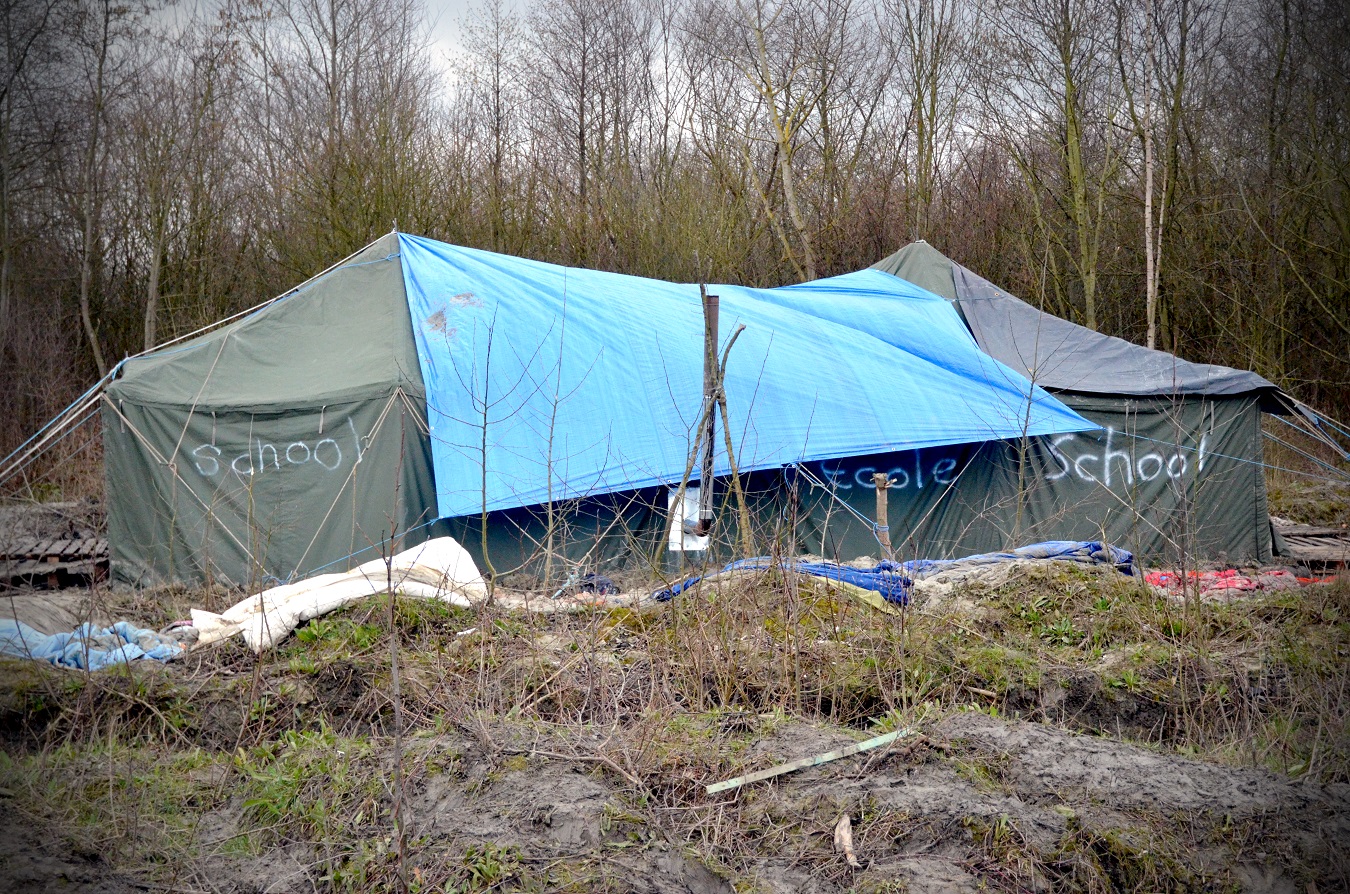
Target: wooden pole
(705, 487)
(803, 763)
(883, 483)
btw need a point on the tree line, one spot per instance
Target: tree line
(1176, 172)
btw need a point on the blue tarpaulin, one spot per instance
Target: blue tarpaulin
(551, 383)
(886, 578)
(87, 647)
(893, 580)
(1084, 552)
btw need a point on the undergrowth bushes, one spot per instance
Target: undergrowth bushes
(1257, 680)
(665, 698)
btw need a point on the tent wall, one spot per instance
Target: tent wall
(1185, 481)
(1169, 480)
(251, 496)
(277, 445)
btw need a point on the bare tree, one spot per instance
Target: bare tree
(347, 129)
(1052, 91)
(104, 38)
(493, 38)
(935, 42)
(25, 28)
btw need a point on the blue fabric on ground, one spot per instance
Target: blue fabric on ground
(893, 580)
(886, 578)
(1087, 552)
(87, 647)
(573, 383)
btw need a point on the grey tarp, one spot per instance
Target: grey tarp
(1056, 353)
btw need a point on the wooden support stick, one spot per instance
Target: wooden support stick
(710, 385)
(883, 483)
(803, 763)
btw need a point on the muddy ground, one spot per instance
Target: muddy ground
(974, 803)
(1064, 731)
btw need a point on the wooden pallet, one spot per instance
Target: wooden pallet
(51, 561)
(1320, 545)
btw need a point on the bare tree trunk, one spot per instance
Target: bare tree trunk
(785, 123)
(16, 56)
(152, 290)
(795, 210)
(91, 199)
(1150, 262)
(6, 250)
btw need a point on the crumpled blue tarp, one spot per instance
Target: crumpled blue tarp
(893, 580)
(884, 577)
(87, 647)
(582, 382)
(1086, 552)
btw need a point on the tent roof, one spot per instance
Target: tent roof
(566, 382)
(341, 336)
(550, 383)
(1056, 353)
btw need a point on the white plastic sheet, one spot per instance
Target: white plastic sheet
(437, 569)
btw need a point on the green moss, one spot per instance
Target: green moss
(1001, 668)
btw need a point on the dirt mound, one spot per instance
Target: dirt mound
(1159, 747)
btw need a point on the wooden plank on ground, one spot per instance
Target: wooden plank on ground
(1312, 531)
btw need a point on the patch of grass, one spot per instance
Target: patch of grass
(1126, 859)
(988, 771)
(309, 784)
(338, 634)
(487, 867)
(135, 802)
(998, 667)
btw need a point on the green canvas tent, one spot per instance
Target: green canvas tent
(275, 444)
(540, 414)
(362, 405)
(1175, 470)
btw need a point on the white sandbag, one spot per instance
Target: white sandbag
(437, 569)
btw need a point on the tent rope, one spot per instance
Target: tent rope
(375, 429)
(17, 468)
(1303, 453)
(833, 494)
(205, 381)
(1318, 435)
